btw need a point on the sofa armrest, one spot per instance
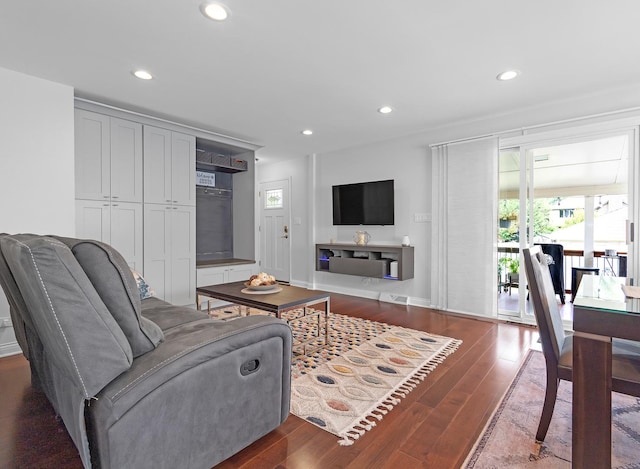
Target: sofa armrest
(210, 389)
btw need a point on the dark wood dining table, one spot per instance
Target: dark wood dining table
(601, 311)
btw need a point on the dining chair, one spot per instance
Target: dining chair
(557, 346)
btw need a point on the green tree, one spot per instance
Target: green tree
(509, 210)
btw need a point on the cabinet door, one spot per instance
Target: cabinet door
(92, 155)
(211, 276)
(183, 255)
(92, 220)
(241, 272)
(183, 169)
(126, 232)
(157, 165)
(126, 160)
(157, 249)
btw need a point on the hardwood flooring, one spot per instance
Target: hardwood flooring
(435, 426)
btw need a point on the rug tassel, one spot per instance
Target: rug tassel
(345, 442)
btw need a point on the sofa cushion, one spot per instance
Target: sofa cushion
(114, 282)
(81, 339)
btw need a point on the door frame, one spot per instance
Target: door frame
(538, 137)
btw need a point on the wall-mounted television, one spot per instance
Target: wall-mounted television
(365, 203)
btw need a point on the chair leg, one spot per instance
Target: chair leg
(547, 409)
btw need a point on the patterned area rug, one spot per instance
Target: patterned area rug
(367, 368)
(509, 439)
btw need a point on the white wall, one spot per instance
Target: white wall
(408, 161)
(297, 171)
(36, 165)
(408, 164)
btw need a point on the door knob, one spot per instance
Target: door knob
(285, 228)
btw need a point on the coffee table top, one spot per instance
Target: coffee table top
(288, 298)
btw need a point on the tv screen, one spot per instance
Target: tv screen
(365, 203)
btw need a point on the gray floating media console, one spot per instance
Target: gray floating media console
(366, 261)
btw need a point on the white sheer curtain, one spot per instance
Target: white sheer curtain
(464, 220)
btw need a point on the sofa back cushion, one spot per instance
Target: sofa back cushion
(114, 282)
(80, 337)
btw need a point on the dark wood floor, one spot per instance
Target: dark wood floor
(435, 426)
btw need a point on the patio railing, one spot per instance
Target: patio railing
(616, 265)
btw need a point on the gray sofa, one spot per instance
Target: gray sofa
(140, 383)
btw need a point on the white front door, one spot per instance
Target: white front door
(275, 229)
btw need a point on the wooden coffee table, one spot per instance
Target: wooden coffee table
(285, 299)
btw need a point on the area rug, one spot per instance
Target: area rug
(367, 368)
(508, 441)
(348, 394)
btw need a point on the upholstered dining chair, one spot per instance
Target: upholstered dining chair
(557, 346)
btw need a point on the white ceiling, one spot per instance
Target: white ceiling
(277, 67)
(593, 167)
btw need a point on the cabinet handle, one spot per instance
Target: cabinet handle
(168, 201)
(114, 205)
(105, 196)
(105, 205)
(175, 208)
(114, 196)
(175, 201)
(167, 208)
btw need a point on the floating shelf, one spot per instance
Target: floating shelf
(365, 261)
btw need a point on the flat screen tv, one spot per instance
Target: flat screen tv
(365, 203)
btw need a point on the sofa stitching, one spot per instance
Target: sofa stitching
(64, 336)
(181, 353)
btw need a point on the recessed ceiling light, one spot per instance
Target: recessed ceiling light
(143, 75)
(307, 132)
(215, 11)
(508, 75)
(385, 110)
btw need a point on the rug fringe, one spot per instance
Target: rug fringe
(401, 391)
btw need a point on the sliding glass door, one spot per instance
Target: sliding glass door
(572, 195)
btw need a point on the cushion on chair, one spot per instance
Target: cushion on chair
(80, 336)
(114, 282)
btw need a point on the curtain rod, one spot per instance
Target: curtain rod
(537, 126)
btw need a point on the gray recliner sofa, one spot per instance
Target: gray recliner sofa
(140, 383)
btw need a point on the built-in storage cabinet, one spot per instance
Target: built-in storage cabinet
(136, 190)
(170, 214)
(118, 224)
(170, 252)
(389, 262)
(169, 167)
(225, 274)
(108, 165)
(222, 274)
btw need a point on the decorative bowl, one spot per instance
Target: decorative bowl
(260, 287)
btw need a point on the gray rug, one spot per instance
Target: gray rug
(509, 439)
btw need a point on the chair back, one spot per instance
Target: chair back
(555, 261)
(545, 305)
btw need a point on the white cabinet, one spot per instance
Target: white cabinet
(169, 167)
(108, 166)
(108, 163)
(222, 274)
(170, 252)
(225, 274)
(118, 224)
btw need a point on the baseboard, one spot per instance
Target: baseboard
(373, 295)
(11, 348)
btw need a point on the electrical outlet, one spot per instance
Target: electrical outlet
(421, 217)
(6, 322)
